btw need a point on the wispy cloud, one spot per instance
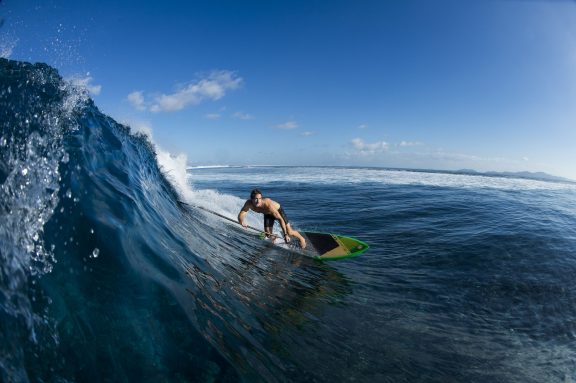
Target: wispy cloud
(462, 158)
(287, 125)
(307, 134)
(362, 126)
(243, 116)
(86, 83)
(213, 116)
(409, 144)
(369, 148)
(136, 99)
(213, 87)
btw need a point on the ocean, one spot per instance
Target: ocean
(105, 276)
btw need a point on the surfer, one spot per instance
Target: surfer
(272, 212)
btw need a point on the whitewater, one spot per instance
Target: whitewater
(106, 276)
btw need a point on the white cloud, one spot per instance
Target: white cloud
(243, 116)
(136, 99)
(212, 116)
(409, 143)
(362, 126)
(213, 87)
(86, 83)
(442, 155)
(369, 148)
(307, 134)
(287, 125)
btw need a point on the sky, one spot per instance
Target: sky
(488, 85)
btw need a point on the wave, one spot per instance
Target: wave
(104, 275)
(85, 209)
(78, 193)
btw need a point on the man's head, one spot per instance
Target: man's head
(256, 197)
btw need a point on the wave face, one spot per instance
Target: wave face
(92, 285)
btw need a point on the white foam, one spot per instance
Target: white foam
(209, 167)
(343, 176)
(174, 167)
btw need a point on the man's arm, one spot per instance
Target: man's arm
(243, 213)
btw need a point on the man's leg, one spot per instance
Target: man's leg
(294, 233)
(268, 225)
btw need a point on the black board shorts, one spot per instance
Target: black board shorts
(269, 218)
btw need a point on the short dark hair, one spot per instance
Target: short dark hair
(254, 193)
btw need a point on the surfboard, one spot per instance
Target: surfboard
(325, 246)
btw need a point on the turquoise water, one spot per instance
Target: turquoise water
(105, 276)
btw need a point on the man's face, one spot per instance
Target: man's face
(257, 200)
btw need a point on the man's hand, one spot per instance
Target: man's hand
(287, 238)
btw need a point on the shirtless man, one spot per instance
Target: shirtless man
(272, 212)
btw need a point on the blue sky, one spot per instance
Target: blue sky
(477, 84)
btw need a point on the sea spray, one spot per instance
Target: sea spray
(36, 111)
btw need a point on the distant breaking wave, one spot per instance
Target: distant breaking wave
(335, 176)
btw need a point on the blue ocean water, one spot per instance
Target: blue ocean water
(106, 276)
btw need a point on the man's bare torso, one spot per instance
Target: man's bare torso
(268, 206)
